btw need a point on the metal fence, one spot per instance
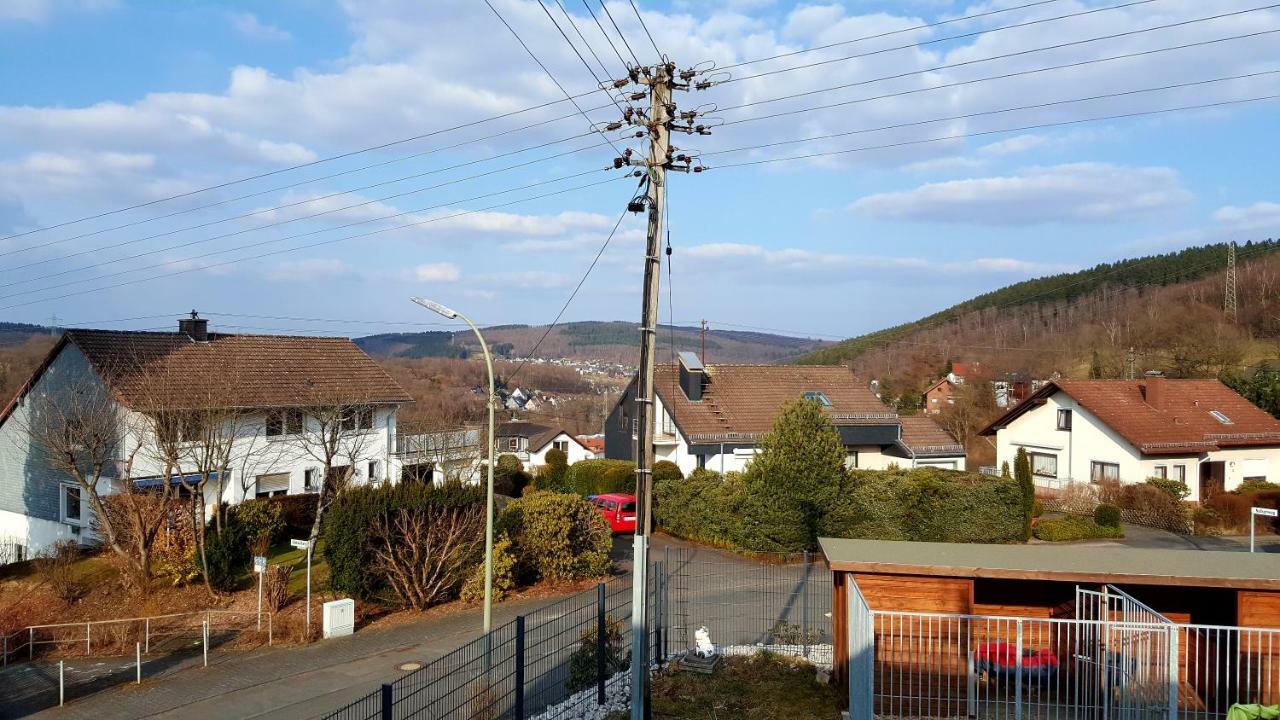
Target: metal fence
(1116, 659)
(576, 652)
(43, 665)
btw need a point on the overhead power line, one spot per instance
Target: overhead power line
(603, 246)
(645, 27)
(604, 6)
(330, 176)
(547, 70)
(331, 158)
(564, 11)
(592, 13)
(278, 223)
(310, 245)
(983, 113)
(999, 28)
(961, 83)
(960, 136)
(273, 241)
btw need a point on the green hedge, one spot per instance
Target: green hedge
(927, 504)
(599, 476)
(346, 527)
(1075, 527)
(924, 504)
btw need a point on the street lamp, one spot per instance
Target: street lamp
(452, 314)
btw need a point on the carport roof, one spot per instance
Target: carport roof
(1066, 563)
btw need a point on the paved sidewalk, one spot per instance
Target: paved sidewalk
(290, 682)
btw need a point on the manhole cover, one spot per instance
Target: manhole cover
(409, 666)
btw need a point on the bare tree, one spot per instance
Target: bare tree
(427, 553)
(82, 433)
(443, 444)
(337, 436)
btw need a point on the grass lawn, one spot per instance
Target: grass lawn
(762, 687)
(286, 554)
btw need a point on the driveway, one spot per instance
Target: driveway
(1138, 536)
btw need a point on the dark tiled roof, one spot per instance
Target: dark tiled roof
(1180, 420)
(745, 399)
(538, 435)
(161, 369)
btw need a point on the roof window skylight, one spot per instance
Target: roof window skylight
(1217, 415)
(818, 397)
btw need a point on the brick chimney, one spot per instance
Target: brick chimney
(195, 327)
(1154, 392)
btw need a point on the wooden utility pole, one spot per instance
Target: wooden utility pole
(703, 355)
(659, 155)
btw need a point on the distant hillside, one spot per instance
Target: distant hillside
(1142, 272)
(18, 333)
(594, 340)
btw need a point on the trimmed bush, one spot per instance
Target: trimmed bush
(349, 521)
(558, 536)
(1074, 527)
(704, 507)
(1145, 504)
(599, 476)
(509, 476)
(583, 663)
(297, 512)
(1176, 489)
(1107, 515)
(666, 470)
(927, 504)
(1253, 486)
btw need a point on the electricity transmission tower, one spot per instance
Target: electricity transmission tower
(1229, 302)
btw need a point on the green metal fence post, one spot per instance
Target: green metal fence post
(601, 640)
(388, 700)
(519, 667)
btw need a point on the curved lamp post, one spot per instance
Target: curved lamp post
(452, 314)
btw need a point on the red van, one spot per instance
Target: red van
(619, 511)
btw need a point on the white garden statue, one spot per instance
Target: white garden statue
(702, 643)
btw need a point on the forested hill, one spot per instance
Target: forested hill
(614, 341)
(1150, 271)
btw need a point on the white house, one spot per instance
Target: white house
(530, 442)
(714, 416)
(271, 393)
(1198, 431)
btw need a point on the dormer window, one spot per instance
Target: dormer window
(1217, 415)
(817, 396)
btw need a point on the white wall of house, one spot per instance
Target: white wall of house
(573, 450)
(33, 506)
(1090, 441)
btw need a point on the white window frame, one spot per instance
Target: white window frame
(63, 488)
(372, 468)
(1180, 473)
(1064, 413)
(561, 445)
(1162, 472)
(307, 476)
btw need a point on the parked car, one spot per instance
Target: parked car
(619, 510)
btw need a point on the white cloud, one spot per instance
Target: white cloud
(526, 280)
(248, 24)
(1073, 193)
(1013, 145)
(308, 269)
(792, 263)
(442, 272)
(1258, 216)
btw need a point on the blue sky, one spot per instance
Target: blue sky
(106, 104)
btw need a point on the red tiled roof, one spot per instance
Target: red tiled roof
(163, 369)
(745, 399)
(922, 431)
(1164, 416)
(594, 444)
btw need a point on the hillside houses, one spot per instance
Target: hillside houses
(1089, 431)
(714, 416)
(244, 411)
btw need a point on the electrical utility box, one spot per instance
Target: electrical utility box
(339, 618)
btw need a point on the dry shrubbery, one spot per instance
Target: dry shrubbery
(56, 568)
(1229, 512)
(275, 586)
